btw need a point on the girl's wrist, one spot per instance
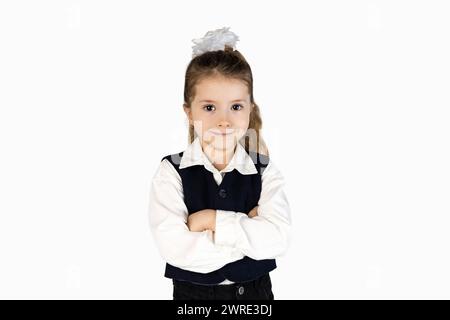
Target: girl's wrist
(212, 220)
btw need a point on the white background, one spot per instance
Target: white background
(354, 97)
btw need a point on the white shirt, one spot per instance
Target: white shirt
(264, 236)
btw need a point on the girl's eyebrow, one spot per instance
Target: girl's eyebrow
(238, 100)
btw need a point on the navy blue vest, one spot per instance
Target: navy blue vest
(237, 192)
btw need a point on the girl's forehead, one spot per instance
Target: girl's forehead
(222, 89)
(220, 81)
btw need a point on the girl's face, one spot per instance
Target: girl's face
(220, 111)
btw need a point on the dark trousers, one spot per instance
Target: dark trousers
(259, 289)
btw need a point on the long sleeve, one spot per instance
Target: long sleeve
(266, 235)
(180, 247)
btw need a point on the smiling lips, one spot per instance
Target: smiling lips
(219, 133)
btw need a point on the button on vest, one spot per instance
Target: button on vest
(223, 193)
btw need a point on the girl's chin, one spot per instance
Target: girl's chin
(221, 145)
(216, 145)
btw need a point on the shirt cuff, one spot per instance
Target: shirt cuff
(226, 232)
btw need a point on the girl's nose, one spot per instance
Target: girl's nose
(223, 118)
(224, 124)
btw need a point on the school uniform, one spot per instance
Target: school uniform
(233, 262)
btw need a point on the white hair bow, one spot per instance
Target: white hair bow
(214, 40)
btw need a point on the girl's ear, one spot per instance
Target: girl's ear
(187, 110)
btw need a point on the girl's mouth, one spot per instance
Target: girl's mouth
(219, 133)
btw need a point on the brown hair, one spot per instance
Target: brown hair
(232, 64)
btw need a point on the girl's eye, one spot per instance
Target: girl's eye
(207, 107)
(238, 106)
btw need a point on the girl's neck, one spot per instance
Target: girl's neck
(219, 157)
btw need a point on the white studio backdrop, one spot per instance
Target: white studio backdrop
(354, 97)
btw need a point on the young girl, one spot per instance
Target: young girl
(218, 212)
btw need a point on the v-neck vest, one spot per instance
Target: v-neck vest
(237, 192)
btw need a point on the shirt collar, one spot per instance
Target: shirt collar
(194, 155)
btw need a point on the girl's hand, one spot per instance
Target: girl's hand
(253, 212)
(202, 220)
